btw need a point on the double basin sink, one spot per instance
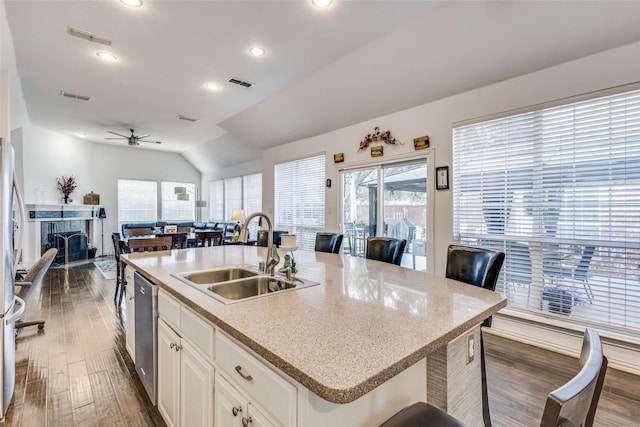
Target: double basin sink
(240, 283)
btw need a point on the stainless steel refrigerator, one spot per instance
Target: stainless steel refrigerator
(11, 306)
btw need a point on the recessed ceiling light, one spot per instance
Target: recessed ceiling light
(321, 3)
(132, 3)
(257, 51)
(106, 56)
(213, 86)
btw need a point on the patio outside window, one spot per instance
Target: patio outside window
(558, 190)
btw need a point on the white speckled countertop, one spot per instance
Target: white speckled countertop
(366, 321)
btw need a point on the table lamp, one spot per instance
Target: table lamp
(239, 216)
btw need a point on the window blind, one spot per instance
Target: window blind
(216, 200)
(558, 190)
(232, 196)
(137, 201)
(299, 198)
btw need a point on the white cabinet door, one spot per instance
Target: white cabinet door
(168, 374)
(230, 405)
(256, 418)
(196, 388)
(130, 307)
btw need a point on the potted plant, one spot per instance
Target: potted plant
(561, 298)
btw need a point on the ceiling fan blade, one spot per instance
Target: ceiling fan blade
(150, 142)
(119, 134)
(142, 136)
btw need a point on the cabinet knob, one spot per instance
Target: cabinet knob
(172, 345)
(235, 410)
(178, 347)
(245, 377)
(246, 421)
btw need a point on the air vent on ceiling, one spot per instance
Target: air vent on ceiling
(88, 36)
(75, 96)
(188, 119)
(239, 82)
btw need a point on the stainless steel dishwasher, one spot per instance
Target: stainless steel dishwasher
(146, 303)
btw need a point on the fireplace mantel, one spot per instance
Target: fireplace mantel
(38, 215)
(61, 212)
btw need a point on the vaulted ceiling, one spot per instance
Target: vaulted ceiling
(323, 68)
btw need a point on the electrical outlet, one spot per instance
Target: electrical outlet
(470, 349)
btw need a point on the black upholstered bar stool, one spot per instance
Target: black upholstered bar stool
(574, 403)
(386, 249)
(478, 267)
(328, 242)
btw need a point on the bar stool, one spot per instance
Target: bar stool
(574, 403)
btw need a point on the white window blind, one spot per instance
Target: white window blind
(174, 209)
(137, 201)
(299, 198)
(216, 200)
(232, 196)
(558, 190)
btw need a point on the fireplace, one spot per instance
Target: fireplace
(72, 229)
(69, 237)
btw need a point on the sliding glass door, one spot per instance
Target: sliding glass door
(388, 200)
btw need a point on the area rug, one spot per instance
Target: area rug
(107, 268)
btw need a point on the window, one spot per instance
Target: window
(232, 196)
(242, 192)
(137, 201)
(174, 209)
(299, 198)
(558, 190)
(216, 200)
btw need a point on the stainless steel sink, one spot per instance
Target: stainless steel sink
(240, 283)
(251, 287)
(207, 277)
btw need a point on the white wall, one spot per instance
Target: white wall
(607, 69)
(47, 155)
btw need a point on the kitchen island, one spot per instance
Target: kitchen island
(368, 340)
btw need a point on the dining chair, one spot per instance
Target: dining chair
(572, 404)
(478, 267)
(178, 239)
(118, 248)
(328, 242)
(209, 238)
(33, 278)
(149, 244)
(385, 249)
(131, 232)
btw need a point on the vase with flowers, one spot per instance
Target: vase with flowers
(66, 185)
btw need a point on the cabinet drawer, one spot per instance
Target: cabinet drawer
(198, 330)
(169, 309)
(268, 389)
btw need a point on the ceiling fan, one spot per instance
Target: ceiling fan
(132, 139)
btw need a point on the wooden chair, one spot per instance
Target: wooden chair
(143, 231)
(573, 404)
(208, 238)
(386, 249)
(478, 267)
(183, 229)
(328, 242)
(32, 278)
(149, 244)
(178, 240)
(118, 248)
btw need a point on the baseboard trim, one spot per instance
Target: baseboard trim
(622, 354)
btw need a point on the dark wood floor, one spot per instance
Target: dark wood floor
(77, 371)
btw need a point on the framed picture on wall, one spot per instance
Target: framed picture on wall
(442, 178)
